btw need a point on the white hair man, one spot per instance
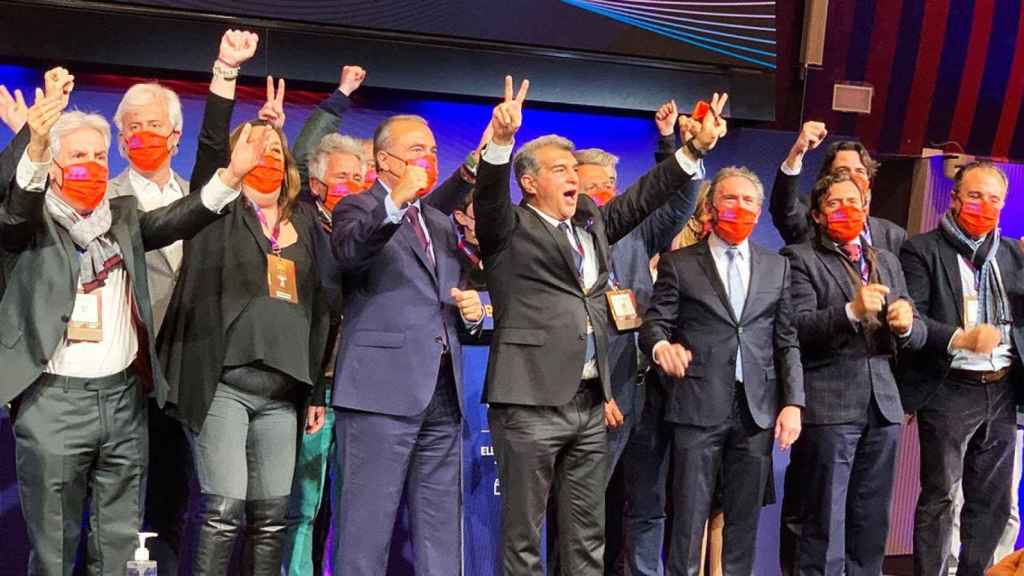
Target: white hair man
(78, 333)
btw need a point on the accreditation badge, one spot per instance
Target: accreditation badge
(622, 305)
(970, 311)
(281, 279)
(86, 323)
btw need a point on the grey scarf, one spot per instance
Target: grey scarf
(97, 250)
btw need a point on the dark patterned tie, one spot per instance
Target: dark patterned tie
(412, 217)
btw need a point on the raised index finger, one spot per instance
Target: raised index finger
(508, 88)
(270, 88)
(722, 99)
(280, 93)
(523, 89)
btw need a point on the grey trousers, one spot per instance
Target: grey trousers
(76, 437)
(246, 449)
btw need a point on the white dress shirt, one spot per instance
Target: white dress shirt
(151, 197)
(119, 345)
(1002, 356)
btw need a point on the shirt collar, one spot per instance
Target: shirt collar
(548, 218)
(719, 246)
(140, 182)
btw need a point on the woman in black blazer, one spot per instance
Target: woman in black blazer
(242, 346)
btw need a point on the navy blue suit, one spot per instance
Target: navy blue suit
(397, 399)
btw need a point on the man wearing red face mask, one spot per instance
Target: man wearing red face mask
(720, 330)
(853, 314)
(398, 379)
(79, 358)
(966, 280)
(336, 170)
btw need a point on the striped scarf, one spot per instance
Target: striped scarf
(993, 306)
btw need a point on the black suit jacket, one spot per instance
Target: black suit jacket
(933, 278)
(8, 166)
(789, 211)
(843, 370)
(691, 306)
(540, 310)
(42, 268)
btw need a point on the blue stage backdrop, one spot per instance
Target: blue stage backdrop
(457, 125)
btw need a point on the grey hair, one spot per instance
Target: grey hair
(139, 94)
(525, 161)
(597, 157)
(382, 135)
(76, 120)
(335, 144)
(736, 171)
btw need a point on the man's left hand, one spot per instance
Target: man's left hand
(468, 301)
(900, 316)
(315, 417)
(612, 415)
(787, 426)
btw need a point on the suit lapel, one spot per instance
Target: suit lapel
(253, 224)
(590, 221)
(756, 274)
(830, 259)
(409, 234)
(561, 241)
(951, 262)
(707, 263)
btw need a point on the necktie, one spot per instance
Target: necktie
(577, 248)
(412, 217)
(577, 256)
(855, 255)
(737, 296)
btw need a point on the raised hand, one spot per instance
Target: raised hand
(43, 114)
(351, 79)
(688, 127)
(673, 359)
(468, 301)
(713, 126)
(869, 299)
(787, 426)
(273, 109)
(811, 135)
(251, 146)
(13, 110)
(665, 118)
(59, 82)
(508, 116)
(237, 46)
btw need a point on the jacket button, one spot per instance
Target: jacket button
(65, 318)
(438, 339)
(43, 361)
(739, 330)
(583, 336)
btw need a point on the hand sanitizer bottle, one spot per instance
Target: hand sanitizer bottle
(142, 565)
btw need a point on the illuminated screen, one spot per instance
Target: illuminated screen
(719, 32)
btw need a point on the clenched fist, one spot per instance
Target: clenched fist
(900, 316)
(673, 359)
(869, 300)
(351, 79)
(665, 118)
(468, 301)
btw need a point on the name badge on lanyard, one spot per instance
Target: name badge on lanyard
(970, 311)
(622, 305)
(86, 324)
(280, 271)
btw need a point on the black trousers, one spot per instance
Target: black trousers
(79, 438)
(541, 446)
(842, 494)
(967, 434)
(738, 452)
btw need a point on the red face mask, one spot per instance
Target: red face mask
(978, 218)
(147, 151)
(602, 195)
(340, 190)
(845, 224)
(734, 225)
(84, 185)
(267, 176)
(428, 163)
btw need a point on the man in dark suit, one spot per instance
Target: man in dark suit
(854, 315)
(398, 378)
(77, 332)
(968, 282)
(548, 378)
(789, 210)
(720, 327)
